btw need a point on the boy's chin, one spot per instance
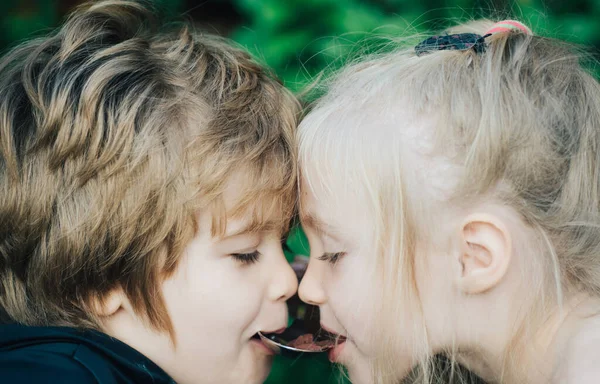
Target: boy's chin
(257, 368)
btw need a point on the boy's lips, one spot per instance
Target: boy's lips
(262, 347)
(277, 331)
(255, 339)
(265, 332)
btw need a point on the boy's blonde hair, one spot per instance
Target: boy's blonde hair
(113, 134)
(519, 124)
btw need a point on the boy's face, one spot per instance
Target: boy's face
(217, 302)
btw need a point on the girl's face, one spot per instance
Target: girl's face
(223, 292)
(340, 279)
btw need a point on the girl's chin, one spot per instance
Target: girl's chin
(360, 374)
(360, 369)
(357, 365)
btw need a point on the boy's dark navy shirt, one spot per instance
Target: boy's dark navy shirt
(64, 355)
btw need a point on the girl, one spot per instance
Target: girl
(451, 196)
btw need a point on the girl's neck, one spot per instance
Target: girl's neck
(538, 358)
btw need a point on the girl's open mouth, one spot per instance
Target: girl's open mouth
(337, 346)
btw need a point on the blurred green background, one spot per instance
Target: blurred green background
(300, 38)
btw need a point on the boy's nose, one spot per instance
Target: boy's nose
(284, 284)
(311, 290)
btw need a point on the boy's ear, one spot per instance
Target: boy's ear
(111, 303)
(485, 253)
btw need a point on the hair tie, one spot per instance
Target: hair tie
(454, 42)
(508, 26)
(465, 41)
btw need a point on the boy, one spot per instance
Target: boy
(146, 181)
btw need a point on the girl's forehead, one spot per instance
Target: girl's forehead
(330, 209)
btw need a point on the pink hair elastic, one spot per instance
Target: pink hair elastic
(509, 25)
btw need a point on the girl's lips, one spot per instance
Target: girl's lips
(327, 329)
(334, 353)
(334, 334)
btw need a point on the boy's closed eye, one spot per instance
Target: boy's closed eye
(243, 248)
(247, 258)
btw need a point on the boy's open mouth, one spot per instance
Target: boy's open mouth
(257, 337)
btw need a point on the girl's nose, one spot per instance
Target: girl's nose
(311, 290)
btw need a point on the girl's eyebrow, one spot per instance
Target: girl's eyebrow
(313, 221)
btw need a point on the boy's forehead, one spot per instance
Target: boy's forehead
(233, 192)
(251, 223)
(216, 221)
(243, 210)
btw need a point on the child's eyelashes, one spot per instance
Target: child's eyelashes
(246, 258)
(331, 258)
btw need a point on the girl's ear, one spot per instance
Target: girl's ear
(485, 253)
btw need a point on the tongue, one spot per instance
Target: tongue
(307, 342)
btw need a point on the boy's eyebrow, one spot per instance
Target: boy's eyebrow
(249, 228)
(237, 232)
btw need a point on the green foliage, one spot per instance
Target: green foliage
(299, 38)
(21, 21)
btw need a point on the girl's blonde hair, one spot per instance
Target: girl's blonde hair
(114, 132)
(519, 123)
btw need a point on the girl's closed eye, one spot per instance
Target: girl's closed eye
(246, 258)
(331, 258)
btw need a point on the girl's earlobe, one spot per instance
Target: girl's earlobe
(485, 253)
